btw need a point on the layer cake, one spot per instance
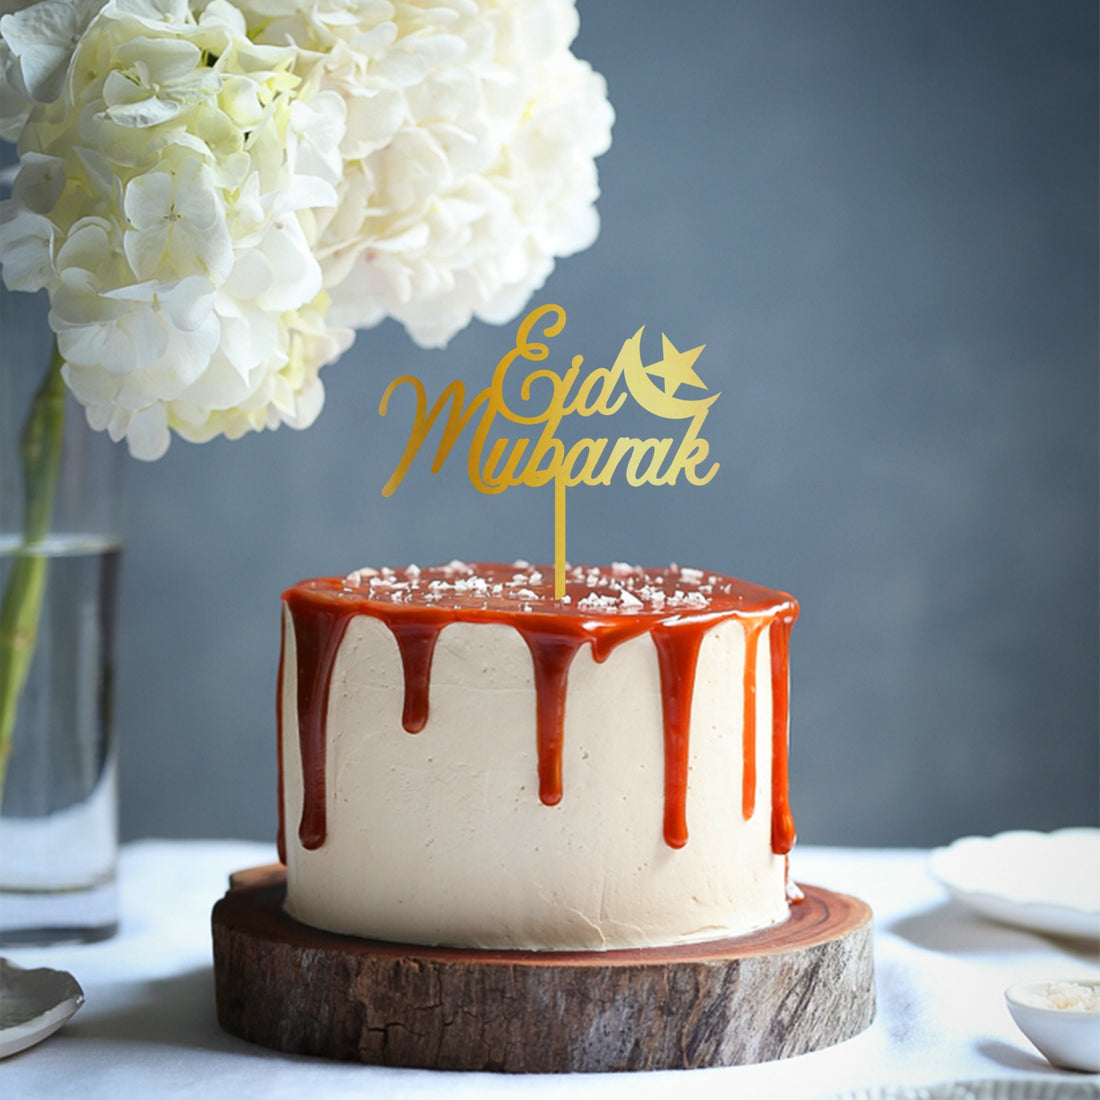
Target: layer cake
(465, 760)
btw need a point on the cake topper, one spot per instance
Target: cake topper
(494, 465)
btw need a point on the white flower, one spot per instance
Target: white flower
(26, 240)
(176, 223)
(470, 146)
(157, 79)
(121, 329)
(214, 192)
(160, 202)
(38, 43)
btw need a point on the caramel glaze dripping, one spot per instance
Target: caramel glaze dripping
(553, 631)
(317, 636)
(551, 657)
(748, 719)
(280, 840)
(677, 655)
(416, 641)
(783, 834)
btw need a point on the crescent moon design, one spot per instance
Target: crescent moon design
(649, 396)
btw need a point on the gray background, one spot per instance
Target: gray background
(881, 219)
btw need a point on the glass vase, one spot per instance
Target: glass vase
(60, 547)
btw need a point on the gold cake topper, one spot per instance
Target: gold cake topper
(503, 463)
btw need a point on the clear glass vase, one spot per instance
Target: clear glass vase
(59, 563)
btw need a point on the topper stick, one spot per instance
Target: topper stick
(559, 538)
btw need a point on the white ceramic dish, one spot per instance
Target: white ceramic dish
(34, 1004)
(1067, 1037)
(1009, 1089)
(1048, 882)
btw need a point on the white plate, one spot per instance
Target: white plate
(34, 1004)
(984, 1090)
(1049, 882)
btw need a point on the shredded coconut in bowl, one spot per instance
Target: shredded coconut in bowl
(1064, 996)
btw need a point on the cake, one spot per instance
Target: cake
(465, 760)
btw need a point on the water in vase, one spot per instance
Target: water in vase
(58, 827)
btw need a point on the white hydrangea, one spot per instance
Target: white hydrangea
(215, 193)
(159, 202)
(470, 146)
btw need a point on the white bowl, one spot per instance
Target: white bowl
(1067, 1037)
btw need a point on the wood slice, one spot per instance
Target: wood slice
(786, 990)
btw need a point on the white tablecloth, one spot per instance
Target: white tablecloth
(148, 1027)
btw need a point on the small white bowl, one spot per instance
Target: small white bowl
(1068, 1038)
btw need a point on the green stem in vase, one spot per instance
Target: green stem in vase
(21, 610)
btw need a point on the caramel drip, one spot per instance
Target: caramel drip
(677, 657)
(748, 718)
(551, 656)
(783, 832)
(318, 632)
(280, 836)
(320, 611)
(416, 641)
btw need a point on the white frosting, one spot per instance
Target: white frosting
(440, 837)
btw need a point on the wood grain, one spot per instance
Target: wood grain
(786, 990)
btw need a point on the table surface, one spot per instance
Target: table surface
(148, 1026)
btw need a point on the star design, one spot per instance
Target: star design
(676, 367)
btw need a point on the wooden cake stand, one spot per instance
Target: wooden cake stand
(786, 990)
